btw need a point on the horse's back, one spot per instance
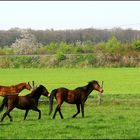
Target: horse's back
(7, 90)
(77, 95)
(61, 91)
(4, 88)
(70, 96)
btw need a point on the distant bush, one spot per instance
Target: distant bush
(62, 60)
(5, 62)
(59, 60)
(136, 44)
(2, 51)
(60, 56)
(113, 45)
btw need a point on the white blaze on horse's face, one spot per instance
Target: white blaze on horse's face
(101, 90)
(98, 88)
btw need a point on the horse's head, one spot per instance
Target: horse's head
(96, 86)
(28, 86)
(43, 90)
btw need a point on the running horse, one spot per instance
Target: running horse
(77, 96)
(14, 89)
(27, 102)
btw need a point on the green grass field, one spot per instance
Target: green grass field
(117, 116)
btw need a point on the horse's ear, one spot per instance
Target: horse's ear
(40, 85)
(89, 82)
(102, 84)
(33, 83)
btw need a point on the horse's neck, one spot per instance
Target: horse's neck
(21, 87)
(88, 89)
(35, 94)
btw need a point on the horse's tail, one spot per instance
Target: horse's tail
(4, 103)
(53, 93)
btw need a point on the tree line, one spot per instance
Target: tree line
(101, 48)
(8, 37)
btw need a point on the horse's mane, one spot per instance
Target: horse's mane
(34, 92)
(82, 88)
(86, 87)
(13, 85)
(20, 83)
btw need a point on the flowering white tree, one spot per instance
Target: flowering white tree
(26, 44)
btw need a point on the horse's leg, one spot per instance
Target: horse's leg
(36, 109)
(78, 111)
(4, 115)
(11, 119)
(55, 112)
(59, 102)
(26, 112)
(7, 113)
(60, 113)
(82, 108)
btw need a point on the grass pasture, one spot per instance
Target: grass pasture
(116, 118)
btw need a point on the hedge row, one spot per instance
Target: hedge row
(62, 60)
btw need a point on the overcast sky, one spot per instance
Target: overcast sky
(69, 14)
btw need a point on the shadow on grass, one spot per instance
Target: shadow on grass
(5, 124)
(73, 127)
(69, 118)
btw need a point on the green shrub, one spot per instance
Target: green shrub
(5, 62)
(60, 56)
(2, 51)
(113, 45)
(91, 58)
(136, 44)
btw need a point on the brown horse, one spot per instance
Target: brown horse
(16, 89)
(27, 102)
(77, 96)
